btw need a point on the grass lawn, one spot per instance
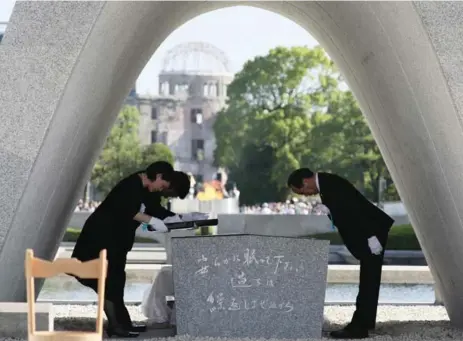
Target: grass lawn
(400, 238)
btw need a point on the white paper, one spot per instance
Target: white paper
(173, 219)
(195, 216)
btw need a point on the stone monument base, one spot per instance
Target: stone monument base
(249, 286)
(273, 224)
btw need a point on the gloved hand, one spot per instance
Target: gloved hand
(174, 219)
(143, 226)
(195, 216)
(375, 245)
(156, 224)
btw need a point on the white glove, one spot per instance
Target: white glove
(174, 219)
(195, 216)
(375, 245)
(158, 225)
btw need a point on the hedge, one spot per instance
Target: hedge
(400, 238)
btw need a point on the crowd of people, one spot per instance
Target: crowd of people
(293, 206)
(86, 206)
(211, 190)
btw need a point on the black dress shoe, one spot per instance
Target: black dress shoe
(350, 333)
(138, 327)
(121, 333)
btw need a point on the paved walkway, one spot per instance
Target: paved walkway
(401, 323)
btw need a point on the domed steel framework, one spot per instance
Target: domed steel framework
(196, 58)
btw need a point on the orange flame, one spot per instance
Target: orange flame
(211, 191)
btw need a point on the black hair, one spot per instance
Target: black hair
(180, 184)
(160, 167)
(296, 178)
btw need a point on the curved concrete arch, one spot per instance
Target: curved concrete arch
(66, 67)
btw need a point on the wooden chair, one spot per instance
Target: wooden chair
(39, 268)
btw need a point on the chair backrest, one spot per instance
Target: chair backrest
(39, 268)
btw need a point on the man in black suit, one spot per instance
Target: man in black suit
(179, 188)
(152, 202)
(364, 229)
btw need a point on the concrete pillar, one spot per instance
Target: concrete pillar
(405, 70)
(438, 296)
(43, 167)
(65, 69)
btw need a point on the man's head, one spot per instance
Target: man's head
(302, 181)
(179, 186)
(159, 175)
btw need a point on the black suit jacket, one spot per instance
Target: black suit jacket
(153, 207)
(152, 202)
(355, 217)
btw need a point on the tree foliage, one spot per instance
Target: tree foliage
(343, 144)
(156, 152)
(122, 154)
(286, 110)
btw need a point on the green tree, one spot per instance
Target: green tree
(286, 110)
(121, 154)
(344, 145)
(156, 152)
(252, 172)
(268, 118)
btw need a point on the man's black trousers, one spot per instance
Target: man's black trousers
(369, 285)
(114, 291)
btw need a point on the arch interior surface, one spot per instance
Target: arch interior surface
(67, 66)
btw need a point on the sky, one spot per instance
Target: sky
(223, 28)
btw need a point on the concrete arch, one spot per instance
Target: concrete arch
(66, 67)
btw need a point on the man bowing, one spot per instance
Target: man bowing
(364, 229)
